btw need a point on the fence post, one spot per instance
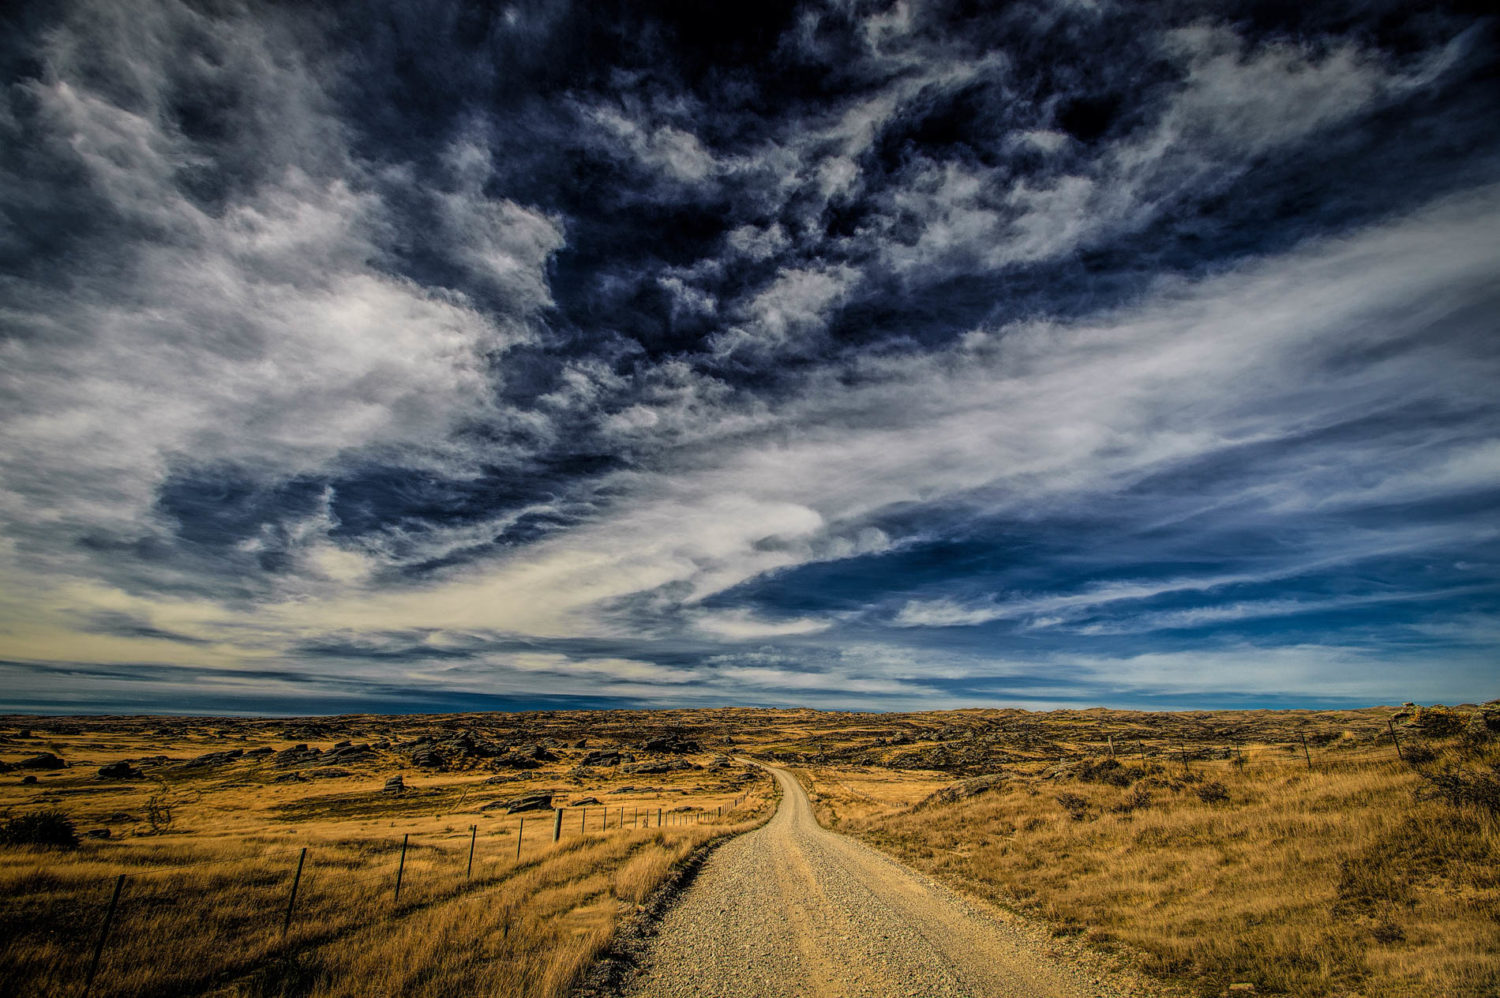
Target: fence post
(520, 832)
(557, 824)
(583, 819)
(109, 917)
(401, 870)
(1392, 725)
(1304, 749)
(1142, 746)
(473, 835)
(291, 900)
(1111, 745)
(658, 817)
(622, 817)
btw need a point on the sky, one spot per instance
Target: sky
(414, 355)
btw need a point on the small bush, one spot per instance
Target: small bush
(1416, 753)
(1076, 805)
(1107, 771)
(1212, 792)
(1461, 788)
(1439, 721)
(1136, 799)
(40, 828)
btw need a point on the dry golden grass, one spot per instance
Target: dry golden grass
(1334, 880)
(1329, 881)
(203, 905)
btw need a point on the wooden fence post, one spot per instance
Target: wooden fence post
(1111, 745)
(286, 923)
(473, 835)
(401, 869)
(1392, 725)
(109, 917)
(1304, 749)
(557, 824)
(520, 832)
(658, 817)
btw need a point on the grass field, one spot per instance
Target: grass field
(204, 901)
(1290, 850)
(1251, 866)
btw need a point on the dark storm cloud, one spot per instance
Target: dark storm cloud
(909, 351)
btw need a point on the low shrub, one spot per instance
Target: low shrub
(1212, 792)
(1076, 805)
(1462, 788)
(39, 828)
(1439, 721)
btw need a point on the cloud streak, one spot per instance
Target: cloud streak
(896, 356)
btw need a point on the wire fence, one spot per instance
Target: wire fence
(185, 928)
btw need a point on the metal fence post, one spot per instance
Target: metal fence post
(291, 900)
(401, 870)
(109, 917)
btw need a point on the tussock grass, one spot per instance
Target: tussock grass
(205, 898)
(1339, 880)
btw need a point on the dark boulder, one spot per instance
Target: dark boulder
(962, 790)
(213, 759)
(527, 802)
(297, 755)
(43, 760)
(670, 743)
(121, 770)
(606, 757)
(395, 785)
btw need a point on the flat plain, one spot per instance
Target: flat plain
(1287, 852)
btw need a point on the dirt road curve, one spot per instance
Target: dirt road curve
(794, 909)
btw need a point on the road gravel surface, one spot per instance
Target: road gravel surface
(795, 909)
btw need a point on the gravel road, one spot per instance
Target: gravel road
(794, 909)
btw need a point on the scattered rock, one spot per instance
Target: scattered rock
(514, 760)
(290, 778)
(43, 760)
(665, 766)
(96, 833)
(297, 755)
(527, 802)
(584, 801)
(213, 759)
(428, 757)
(121, 770)
(27, 781)
(345, 752)
(606, 757)
(394, 785)
(670, 743)
(262, 750)
(962, 790)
